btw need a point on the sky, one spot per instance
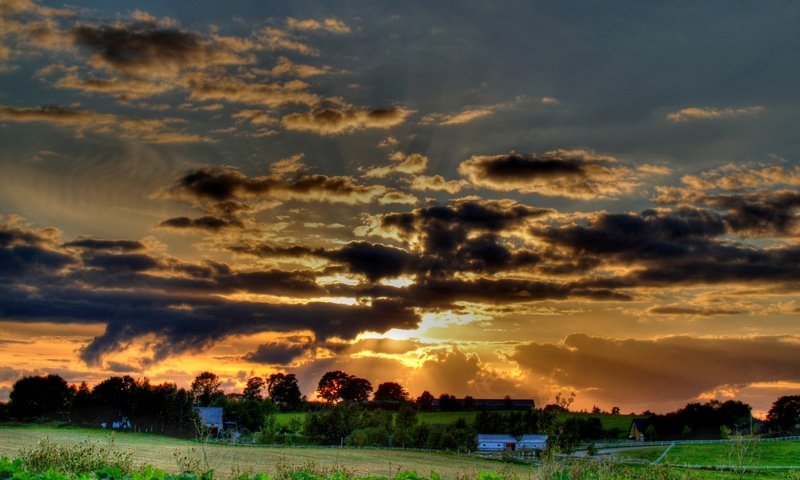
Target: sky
(477, 198)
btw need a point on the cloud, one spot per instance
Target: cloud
(710, 113)
(404, 163)
(345, 119)
(568, 173)
(679, 310)
(215, 86)
(437, 183)
(330, 25)
(144, 130)
(276, 353)
(210, 223)
(219, 184)
(659, 371)
(111, 245)
(465, 116)
(145, 48)
(286, 67)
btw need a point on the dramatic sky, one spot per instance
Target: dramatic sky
(484, 198)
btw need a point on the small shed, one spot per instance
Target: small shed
(638, 427)
(211, 417)
(532, 442)
(496, 443)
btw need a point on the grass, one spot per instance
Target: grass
(784, 453)
(225, 460)
(620, 422)
(646, 453)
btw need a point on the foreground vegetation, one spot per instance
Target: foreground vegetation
(66, 453)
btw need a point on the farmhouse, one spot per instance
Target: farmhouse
(496, 442)
(638, 428)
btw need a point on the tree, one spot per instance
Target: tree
(614, 410)
(337, 385)
(31, 397)
(252, 391)
(356, 389)
(206, 387)
(784, 414)
(331, 384)
(114, 398)
(390, 392)
(284, 391)
(425, 401)
(404, 425)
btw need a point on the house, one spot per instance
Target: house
(532, 442)
(211, 418)
(496, 443)
(638, 429)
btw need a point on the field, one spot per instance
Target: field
(228, 460)
(224, 459)
(620, 422)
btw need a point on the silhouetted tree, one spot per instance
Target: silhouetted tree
(425, 401)
(356, 389)
(284, 391)
(252, 391)
(331, 384)
(47, 397)
(206, 387)
(390, 392)
(114, 398)
(784, 414)
(447, 402)
(337, 385)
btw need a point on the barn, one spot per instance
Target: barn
(496, 443)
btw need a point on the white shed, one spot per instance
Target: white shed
(532, 442)
(493, 442)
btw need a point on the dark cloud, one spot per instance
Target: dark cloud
(276, 353)
(111, 245)
(568, 173)
(121, 262)
(144, 47)
(207, 222)
(766, 213)
(705, 312)
(221, 184)
(664, 370)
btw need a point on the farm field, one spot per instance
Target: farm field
(226, 459)
(621, 422)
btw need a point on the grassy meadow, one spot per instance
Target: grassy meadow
(229, 461)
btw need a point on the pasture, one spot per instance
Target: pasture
(229, 461)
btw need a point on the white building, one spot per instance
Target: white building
(532, 442)
(496, 442)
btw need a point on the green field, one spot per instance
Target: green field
(784, 453)
(620, 422)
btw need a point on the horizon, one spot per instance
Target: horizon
(521, 199)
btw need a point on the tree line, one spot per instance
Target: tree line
(349, 412)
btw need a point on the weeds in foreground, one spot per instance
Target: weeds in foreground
(77, 459)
